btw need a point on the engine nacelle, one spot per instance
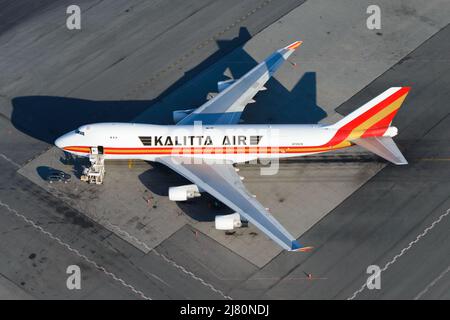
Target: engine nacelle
(228, 222)
(179, 115)
(183, 193)
(222, 85)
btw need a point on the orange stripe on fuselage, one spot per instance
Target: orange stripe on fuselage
(78, 149)
(206, 150)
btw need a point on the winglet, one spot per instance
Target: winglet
(294, 45)
(295, 246)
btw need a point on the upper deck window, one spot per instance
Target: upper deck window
(78, 131)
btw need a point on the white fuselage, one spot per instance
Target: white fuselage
(236, 143)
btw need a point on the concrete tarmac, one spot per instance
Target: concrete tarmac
(42, 64)
(134, 50)
(399, 220)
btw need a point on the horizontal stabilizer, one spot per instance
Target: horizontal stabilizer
(385, 147)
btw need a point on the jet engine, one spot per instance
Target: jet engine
(228, 222)
(183, 193)
(179, 115)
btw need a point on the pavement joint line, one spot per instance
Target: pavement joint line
(75, 251)
(432, 283)
(202, 44)
(39, 154)
(143, 244)
(404, 250)
(10, 161)
(170, 261)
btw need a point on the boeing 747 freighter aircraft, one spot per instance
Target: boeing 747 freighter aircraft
(206, 142)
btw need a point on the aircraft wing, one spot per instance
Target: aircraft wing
(228, 105)
(222, 182)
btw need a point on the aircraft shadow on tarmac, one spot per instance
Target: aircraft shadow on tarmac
(47, 117)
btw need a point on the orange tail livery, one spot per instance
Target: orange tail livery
(369, 125)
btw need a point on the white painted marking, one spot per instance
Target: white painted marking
(432, 283)
(404, 250)
(173, 263)
(75, 251)
(10, 161)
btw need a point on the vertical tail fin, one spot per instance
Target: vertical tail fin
(369, 125)
(374, 117)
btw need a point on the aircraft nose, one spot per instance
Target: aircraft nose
(60, 142)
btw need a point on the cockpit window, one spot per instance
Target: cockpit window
(79, 132)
